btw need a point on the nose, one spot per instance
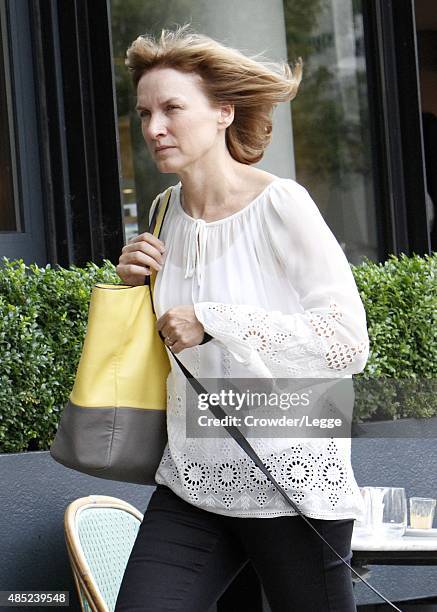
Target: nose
(156, 127)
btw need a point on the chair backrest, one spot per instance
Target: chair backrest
(100, 532)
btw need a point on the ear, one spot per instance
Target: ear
(226, 115)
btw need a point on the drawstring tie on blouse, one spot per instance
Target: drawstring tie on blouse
(194, 250)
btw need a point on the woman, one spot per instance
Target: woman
(246, 257)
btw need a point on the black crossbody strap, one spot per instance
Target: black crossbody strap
(241, 440)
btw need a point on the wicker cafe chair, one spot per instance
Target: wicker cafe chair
(100, 532)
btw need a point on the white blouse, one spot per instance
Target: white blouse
(273, 287)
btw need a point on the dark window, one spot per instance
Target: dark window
(331, 120)
(10, 217)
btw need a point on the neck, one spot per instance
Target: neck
(210, 188)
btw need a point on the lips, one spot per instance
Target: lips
(163, 148)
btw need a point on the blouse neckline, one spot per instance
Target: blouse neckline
(225, 219)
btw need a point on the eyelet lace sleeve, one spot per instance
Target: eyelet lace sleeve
(329, 337)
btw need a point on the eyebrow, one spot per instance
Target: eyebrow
(140, 107)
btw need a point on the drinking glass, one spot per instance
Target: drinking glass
(394, 513)
(363, 528)
(385, 513)
(421, 512)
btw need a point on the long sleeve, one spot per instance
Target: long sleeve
(329, 337)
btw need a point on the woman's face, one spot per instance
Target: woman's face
(175, 113)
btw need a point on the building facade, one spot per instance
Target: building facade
(75, 177)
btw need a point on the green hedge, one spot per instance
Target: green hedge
(43, 315)
(400, 298)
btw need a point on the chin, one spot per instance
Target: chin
(168, 167)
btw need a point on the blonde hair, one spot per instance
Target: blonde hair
(228, 76)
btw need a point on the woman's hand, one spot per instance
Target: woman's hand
(180, 328)
(137, 257)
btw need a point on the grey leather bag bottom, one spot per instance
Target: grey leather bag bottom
(133, 439)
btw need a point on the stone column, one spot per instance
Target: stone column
(252, 26)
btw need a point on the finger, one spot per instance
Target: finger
(134, 270)
(150, 238)
(165, 335)
(140, 237)
(139, 258)
(169, 341)
(167, 332)
(177, 347)
(162, 324)
(143, 247)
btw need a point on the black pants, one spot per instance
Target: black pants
(184, 558)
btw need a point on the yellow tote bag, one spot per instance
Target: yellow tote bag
(114, 424)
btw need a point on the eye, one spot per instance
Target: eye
(144, 113)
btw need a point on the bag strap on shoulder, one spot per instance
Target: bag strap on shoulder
(155, 227)
(159, 213)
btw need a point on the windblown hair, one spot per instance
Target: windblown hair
(228, 76)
